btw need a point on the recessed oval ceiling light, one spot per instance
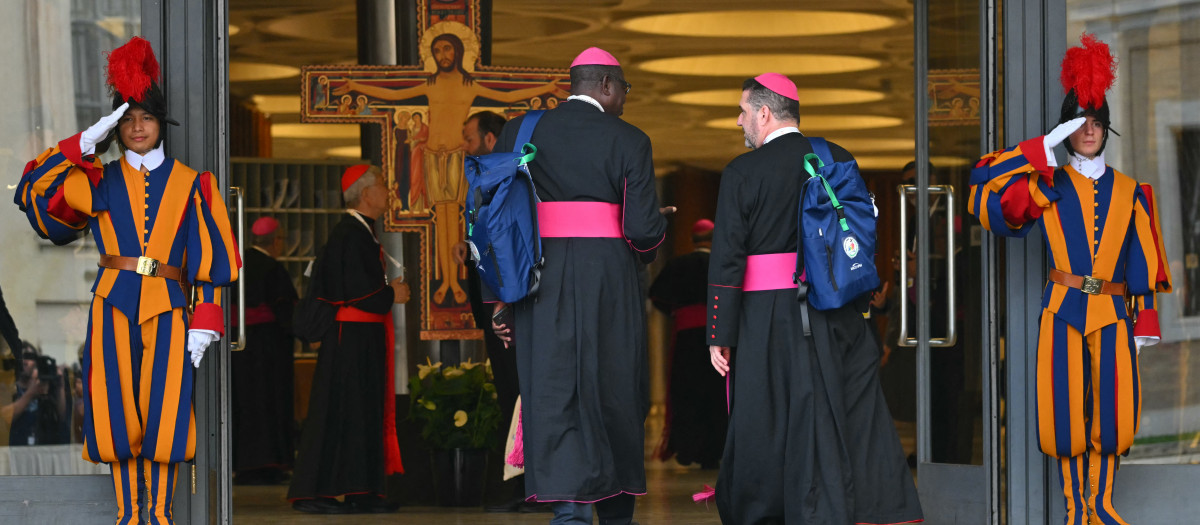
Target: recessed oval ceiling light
(353, 152)
(896, 162)
(882, 162)
(315, 131)
(748, 65)
(758, 23)
(808, 97)
(854, 145)
(253, 71)
(824, 122)
(277, 104)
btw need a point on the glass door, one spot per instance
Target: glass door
(945, 293)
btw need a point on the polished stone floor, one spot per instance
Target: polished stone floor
(669, 501)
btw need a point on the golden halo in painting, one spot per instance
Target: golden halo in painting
(466, 35)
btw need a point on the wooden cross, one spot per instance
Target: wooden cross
(421, 110)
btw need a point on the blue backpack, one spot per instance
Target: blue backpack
(501, 213)
(836, 232)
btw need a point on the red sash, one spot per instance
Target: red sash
(688, 317)
(391, 448)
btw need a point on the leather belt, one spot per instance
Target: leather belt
(1089, 285)
(142, 266)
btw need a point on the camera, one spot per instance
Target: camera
(47, 367)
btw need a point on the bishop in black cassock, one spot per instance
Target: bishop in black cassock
(810, 438)
(697, 414)
(581, 341)
(263, 372)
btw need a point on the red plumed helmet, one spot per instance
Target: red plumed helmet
(1090, 71)
(132, 69)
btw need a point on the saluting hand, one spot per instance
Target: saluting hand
(1062, 131)
(720, 358)
(93, 135)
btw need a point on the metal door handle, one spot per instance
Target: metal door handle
(951, 306)
(241, 282)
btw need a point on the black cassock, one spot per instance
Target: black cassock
(581, 342)
(696, 417)
(263, 372)
(341, 444)
(810, 439)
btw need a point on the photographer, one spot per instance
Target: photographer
(38, 413)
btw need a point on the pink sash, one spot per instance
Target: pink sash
(579, 219)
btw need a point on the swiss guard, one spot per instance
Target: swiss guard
(1107, 264)
(145, 332)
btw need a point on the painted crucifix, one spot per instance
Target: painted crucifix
(422, 110)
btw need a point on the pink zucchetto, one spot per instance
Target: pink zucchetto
(594, 56)
(264, 226)
(779, 84)
(702, 226)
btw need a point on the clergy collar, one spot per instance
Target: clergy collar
(367, 221)
(703, 249)
(1091, 168)
(587, 99)
(780, 132)
(151, 160)
(264, 252)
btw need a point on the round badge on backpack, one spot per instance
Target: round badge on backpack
(850, 246)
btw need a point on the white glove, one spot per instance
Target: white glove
(198, 341)
(1058, 135)
(1144, 340)
(93, 135)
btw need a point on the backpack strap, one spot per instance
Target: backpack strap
(522, 145)
(821, 148)
(526, 131)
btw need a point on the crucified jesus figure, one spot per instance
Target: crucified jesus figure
(450, 91)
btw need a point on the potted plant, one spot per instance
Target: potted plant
(459, 414)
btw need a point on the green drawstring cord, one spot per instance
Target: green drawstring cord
(808, 159)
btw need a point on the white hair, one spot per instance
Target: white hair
(354, 192)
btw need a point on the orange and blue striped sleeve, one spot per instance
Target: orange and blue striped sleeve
(1146, 271)
(1011, 187)
(58, 192)
(213, 259)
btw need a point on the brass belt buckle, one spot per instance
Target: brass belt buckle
(1091, 285)
(147, 266)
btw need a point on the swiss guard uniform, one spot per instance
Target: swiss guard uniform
(138, 395)
(810, 439)
(581, 341)
(1105, 247)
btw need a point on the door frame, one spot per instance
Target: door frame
(195, 63)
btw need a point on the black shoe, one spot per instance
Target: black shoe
(529, 507)
(512, 505)
(321, 506)
(369, 504)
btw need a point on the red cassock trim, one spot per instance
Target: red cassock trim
(208, 316)
(1147, 324)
